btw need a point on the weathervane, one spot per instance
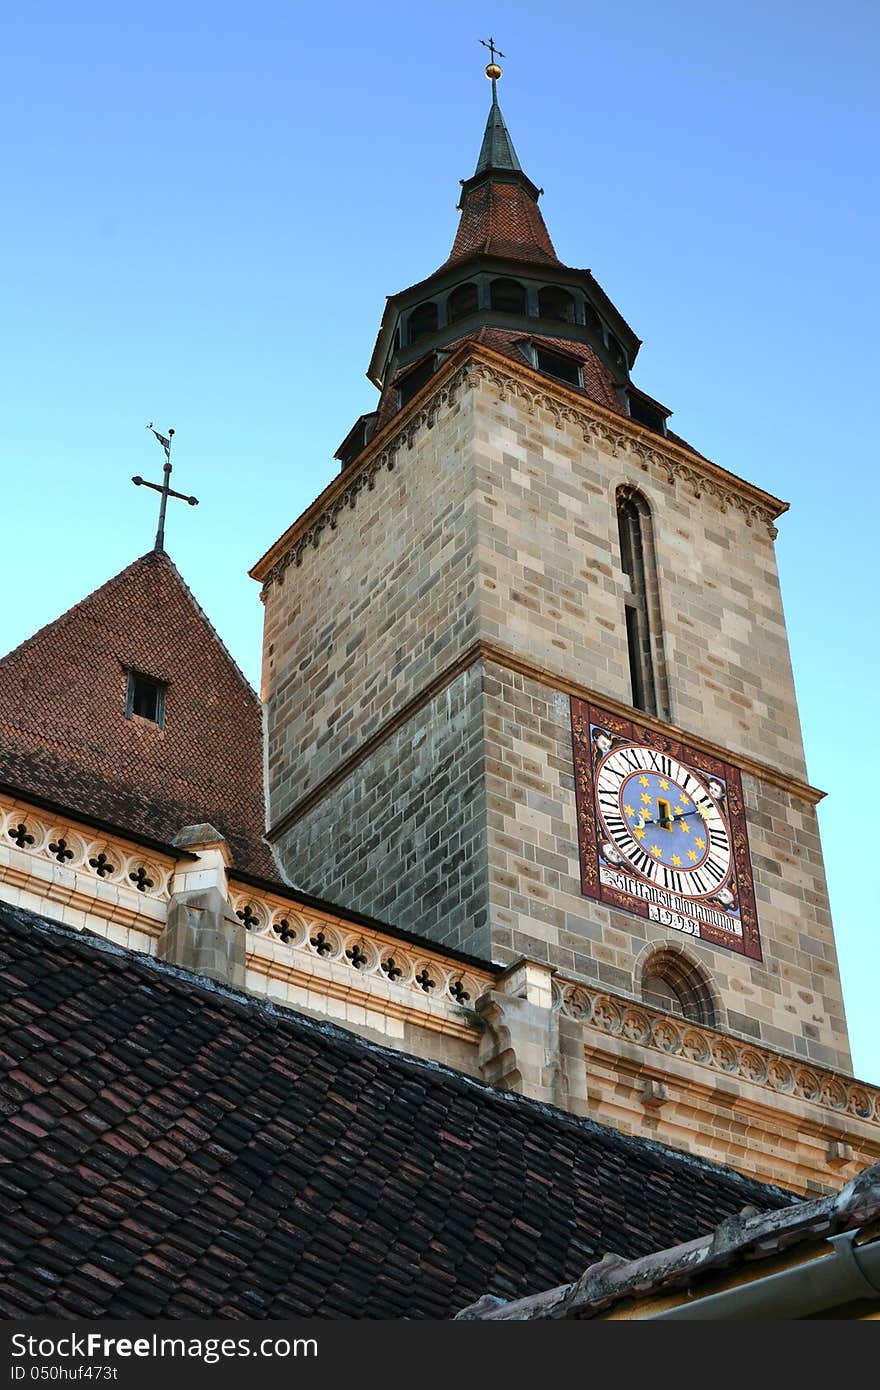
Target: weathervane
(164, 487)
(493, 71)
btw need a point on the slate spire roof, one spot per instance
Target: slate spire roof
(496, 151)
(66, 739)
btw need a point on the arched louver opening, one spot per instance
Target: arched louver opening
(508, 296)
(422, 323)
(618, 356)
(671, 982)
(555, 303)
(462, 302)
(642, 603)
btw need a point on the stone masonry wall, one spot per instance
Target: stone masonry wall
(551, 585)
(791, 1000)
(499, 524)
(403, 837)
(372, 613)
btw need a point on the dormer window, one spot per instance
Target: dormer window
(558, 365)
(145, 698)
(645, 412)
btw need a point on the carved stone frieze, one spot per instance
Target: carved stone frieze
(705, 1047)
(83, 852)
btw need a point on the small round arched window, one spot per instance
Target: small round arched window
(671, 982)
(555, 303)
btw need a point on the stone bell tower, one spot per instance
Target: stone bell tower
(526, 672)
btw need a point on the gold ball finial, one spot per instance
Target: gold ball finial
(493, 72)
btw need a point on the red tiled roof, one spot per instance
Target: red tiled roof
(501, 219)
(169, 1149)
(64, 737)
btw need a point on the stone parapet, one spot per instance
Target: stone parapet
(771, 1115)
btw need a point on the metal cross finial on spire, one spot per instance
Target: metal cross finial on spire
(164, 487)
(493, 71)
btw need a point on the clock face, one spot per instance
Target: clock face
(662, 830)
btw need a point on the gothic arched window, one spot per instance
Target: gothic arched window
(671, 982)
(641, 603)
(554, 303)
(509, 296)
(422, 322)
(462, 302)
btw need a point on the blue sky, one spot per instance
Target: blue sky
(206, 205)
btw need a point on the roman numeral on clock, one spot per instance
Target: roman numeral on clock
(715, 870)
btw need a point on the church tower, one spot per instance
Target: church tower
(526, 673)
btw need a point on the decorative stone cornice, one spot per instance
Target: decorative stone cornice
(625, 436)
(472, 364)
(698, 1045)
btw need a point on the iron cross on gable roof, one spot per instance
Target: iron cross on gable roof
(164, 488)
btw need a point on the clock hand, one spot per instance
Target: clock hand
(668, 823)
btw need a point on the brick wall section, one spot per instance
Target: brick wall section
(65, 738)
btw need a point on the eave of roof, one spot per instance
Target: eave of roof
(749, 1237)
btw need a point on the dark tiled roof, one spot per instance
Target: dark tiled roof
(171, 1149)
(64, 737)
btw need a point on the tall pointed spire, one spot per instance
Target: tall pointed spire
(496, 151)
(499, 203)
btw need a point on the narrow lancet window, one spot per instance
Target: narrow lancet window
(641, 604)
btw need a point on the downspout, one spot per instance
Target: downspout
(848, 1273)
